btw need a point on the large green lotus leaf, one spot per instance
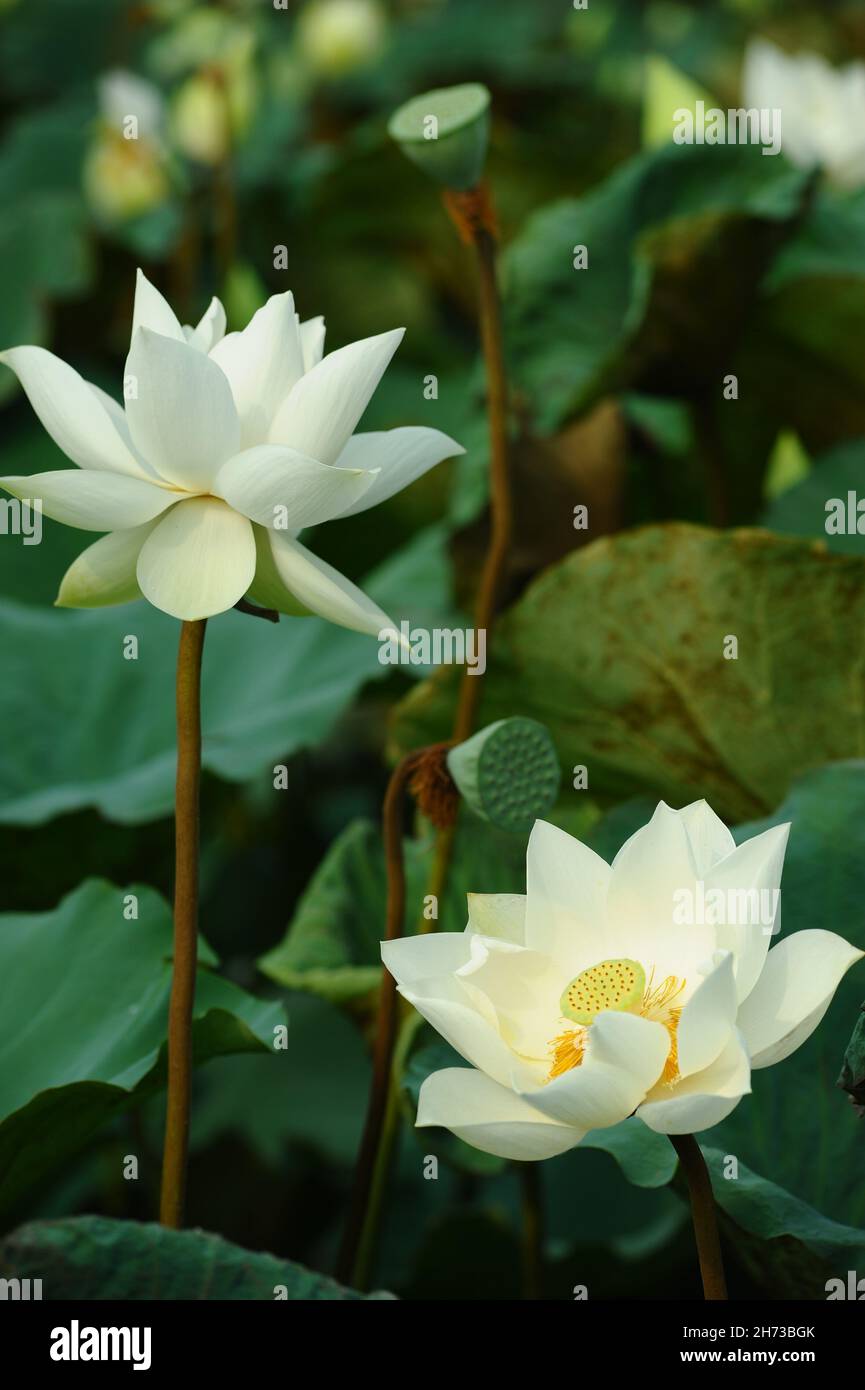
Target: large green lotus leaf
(801, 509)
(331, 946)
(96, 1258)
(85, 1007)
(619, 651)
(267, 690)
(315, 1095)
(677, 242)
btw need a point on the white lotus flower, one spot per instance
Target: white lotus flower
(822, 108)
(228, 447)
(588, 999)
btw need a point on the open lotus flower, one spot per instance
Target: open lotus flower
(591, 998)
(822, 108)
(228, 447)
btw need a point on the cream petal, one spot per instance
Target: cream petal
(651, 872)
(709, 837)
(701, 1100)
(708, 1017)
(267, 588)
(104, 573)
(117, 416)
(73, 412)
(566, 891)
(152, 310)
(464, 1019)
(624, 1057)
(181, 412)
(278, 487)
(262, 364)
(502, 915)
(414, 959)
(298, 577)
(198, 561)
(210, 328)
(522, 987)
(490, 1117)
(311, 333)
(400, 456)
(794, 991)
(751, 873)
(92, 501)
(320, 413)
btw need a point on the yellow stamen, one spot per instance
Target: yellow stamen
(569, 1048)
(658, 1005)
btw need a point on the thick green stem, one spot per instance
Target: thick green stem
(186, 837)
(704, 1215)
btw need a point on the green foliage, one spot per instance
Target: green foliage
(84, 1021)
(91, 1257)
(332, 944)
(618, 650)
(678, 238)
(267, 692)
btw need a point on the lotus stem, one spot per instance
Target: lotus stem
(376, 1127)
(186, 837)
(704, 1215)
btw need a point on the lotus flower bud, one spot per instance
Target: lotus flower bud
(337, 36)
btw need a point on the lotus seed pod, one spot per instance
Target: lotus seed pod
(508, 773)
(446, 133)
(613, 984)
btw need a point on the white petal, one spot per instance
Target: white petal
(299, 578)
(413, 959)
(104, 573)
(401, 455)
(262, 364)
(624, 1057)
(92, 501)
(138, 468)
(72, 411)
(704, 1099)
(523, 989)
(198, 561)
(794, 991)
(709, 837)
(708, 1018)
(498, 914)
(153, 311)
(276, 486)
(181, 413)
(650, 873)
(210, 328)
(751, 873)
(490, 1117)
(566, 892)
(322, 409)
(311, 334)
(465, 1021)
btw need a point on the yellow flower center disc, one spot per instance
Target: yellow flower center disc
(613, 984)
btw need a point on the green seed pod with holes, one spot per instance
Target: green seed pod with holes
(446, 133)
(508, 773)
